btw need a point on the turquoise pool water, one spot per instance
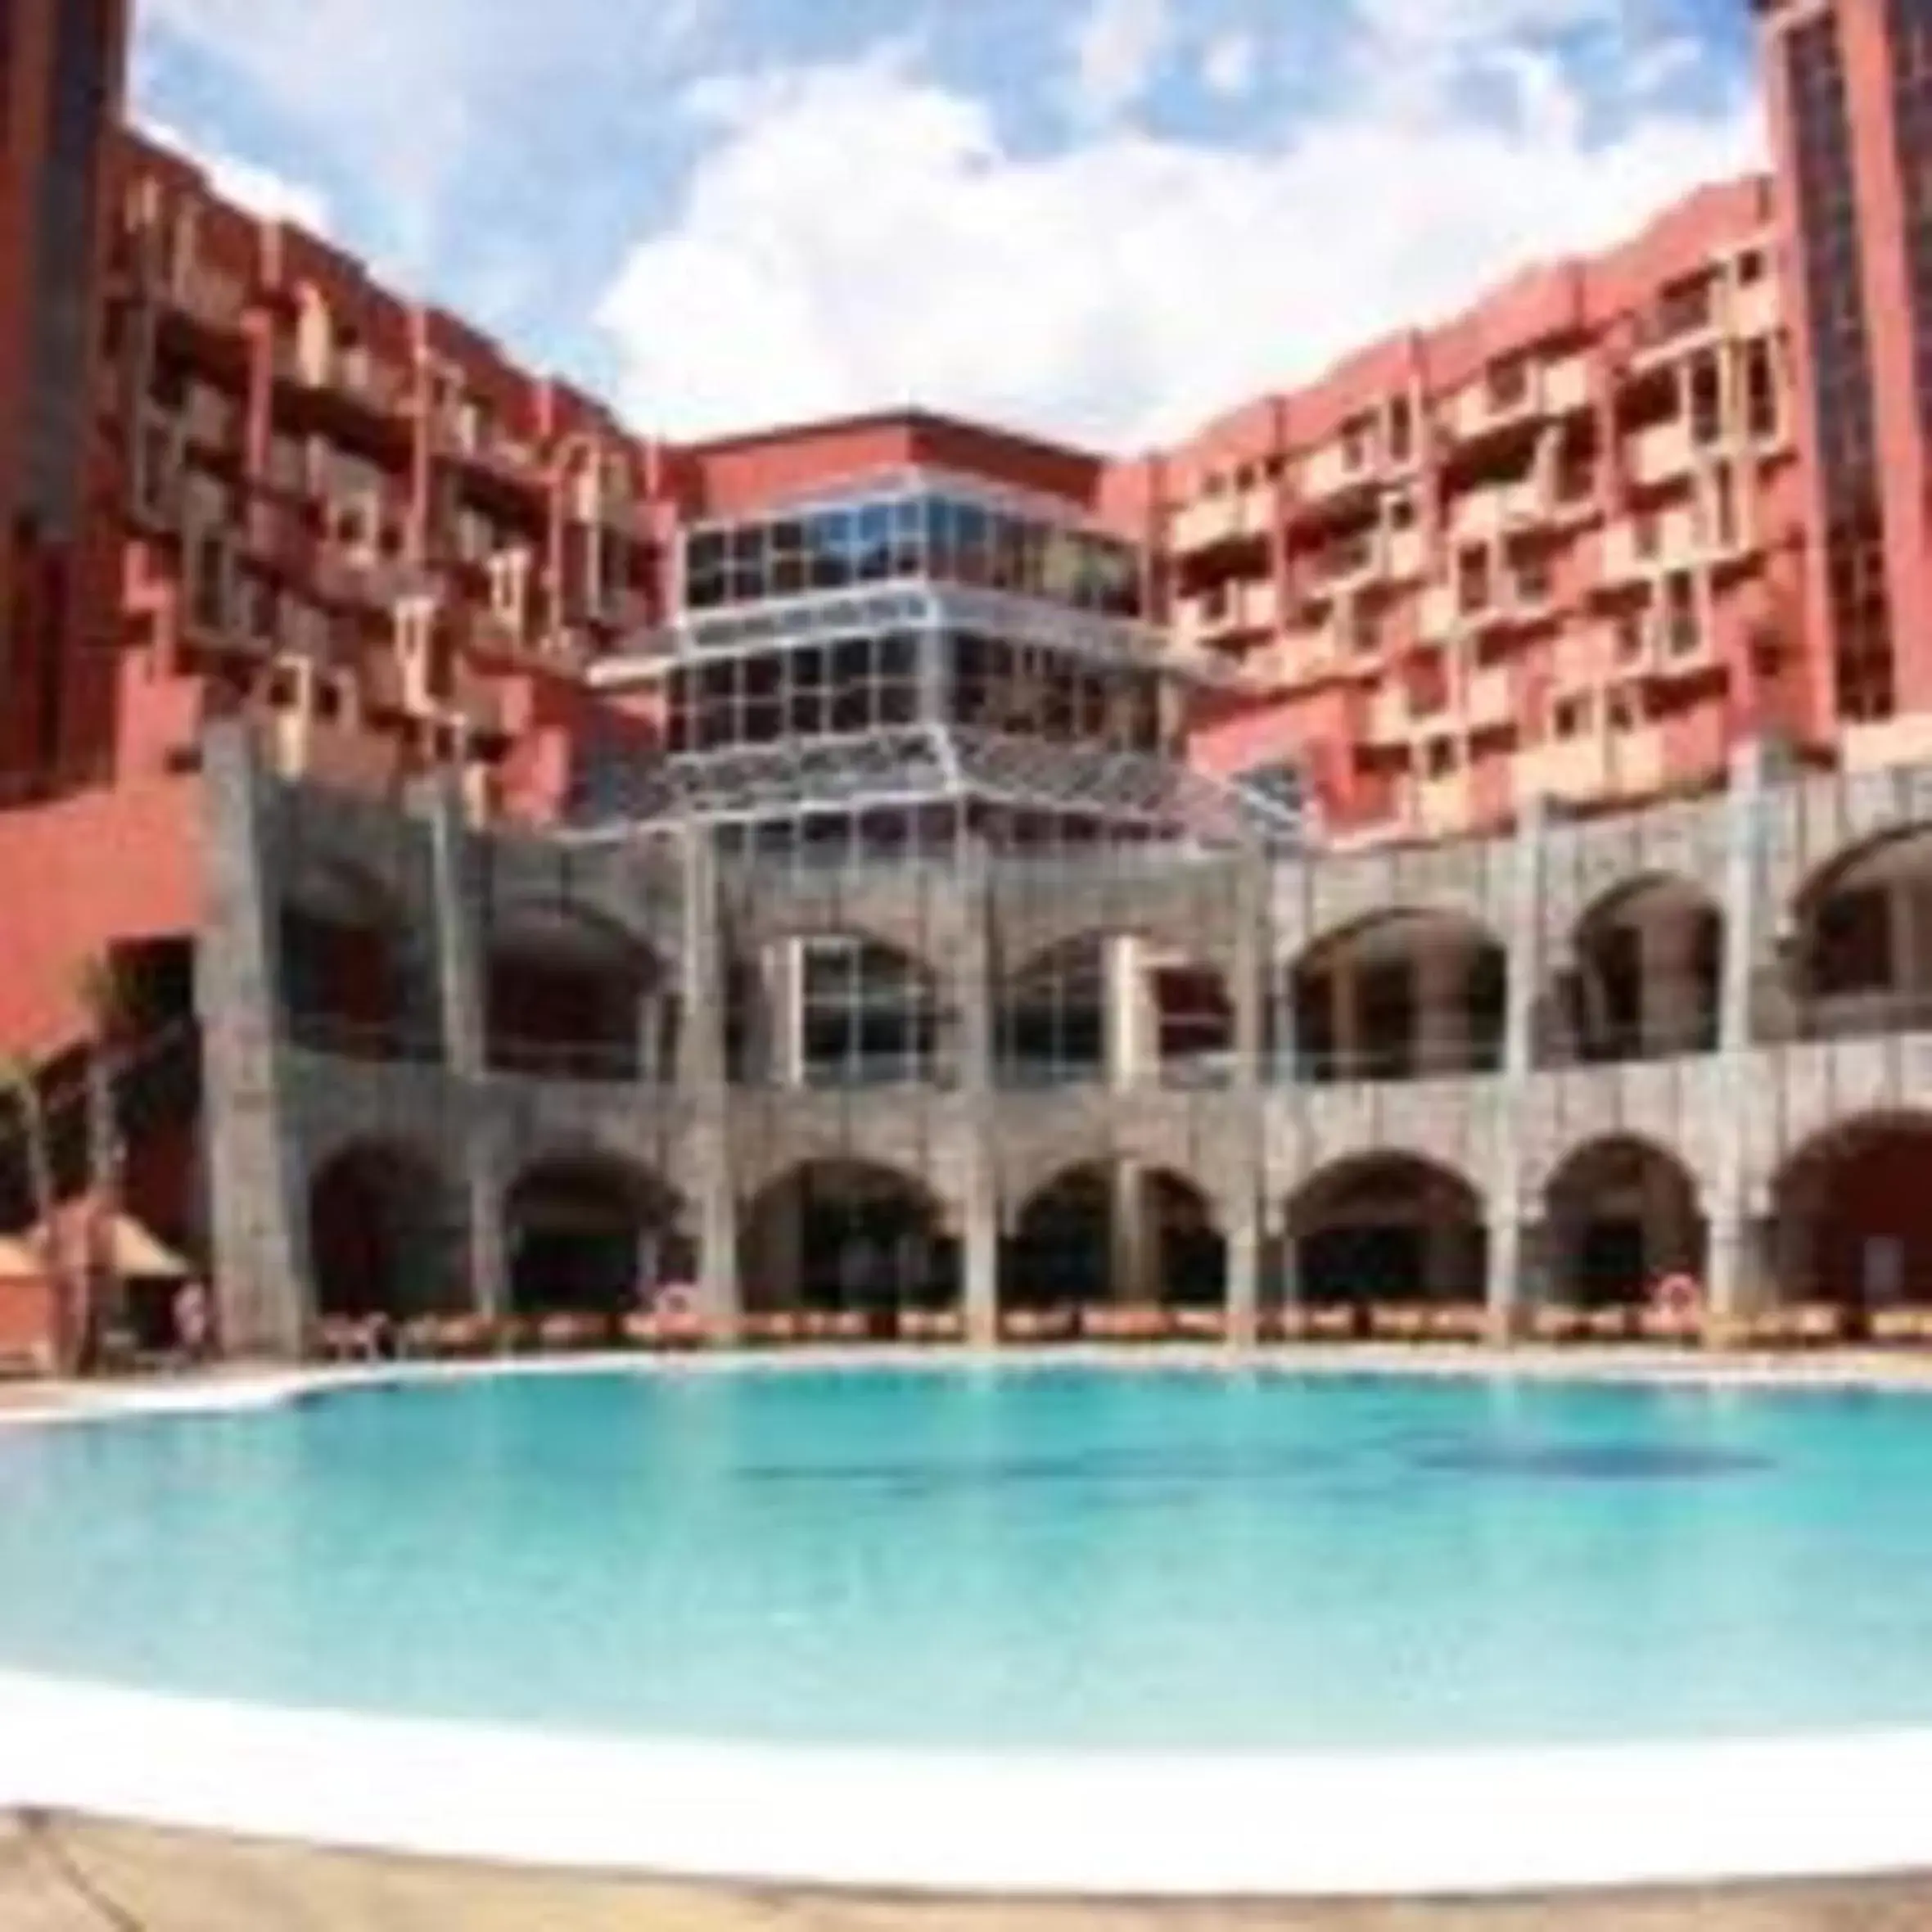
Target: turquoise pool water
(1051, 1558)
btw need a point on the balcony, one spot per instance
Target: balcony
(1305, 656)
(207, 295)
(1569, 386)
(1638, 549)
(1479, 515)
(1500, 399)
(1339, 567)
(356, 376)
(1755, 308)
(1661, 454)
(1229, 516)
(1563, 768)
(1247, 608)
(1405, 555)
(1679, 319)
(346, 758)
(1489, 699)
(1339, 466)
(1440, 807)
(1437, 617)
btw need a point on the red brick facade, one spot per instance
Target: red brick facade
(1577, 541)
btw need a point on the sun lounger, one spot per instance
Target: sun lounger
(1397, 1321)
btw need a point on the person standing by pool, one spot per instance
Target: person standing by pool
(194, 1332)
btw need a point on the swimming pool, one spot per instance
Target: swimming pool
(1050, 1560)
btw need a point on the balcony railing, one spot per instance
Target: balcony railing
(352, 1037)
(1849, 1016)
(613, 1060)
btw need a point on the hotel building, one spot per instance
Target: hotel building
(1459, 831)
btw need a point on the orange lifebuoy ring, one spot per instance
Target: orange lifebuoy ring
(1678, 1294)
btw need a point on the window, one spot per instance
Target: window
(1401, 429)
(1761, 401)
(1533, 580)
(1508, 382)
(1751, 265)
(1706, 420)
(1472, 576)
(1680, 630)
(1572, 717)
(870, 1015)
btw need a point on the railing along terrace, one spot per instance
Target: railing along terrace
(1673, 1038)
(1402, 1058)
(347, 1036)
(566, 1059)
(1846, 1016)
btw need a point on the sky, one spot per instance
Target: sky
(1107, 220)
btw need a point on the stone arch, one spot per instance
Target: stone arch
(1115, 1230)
(1388, 1226)
(383, 1238)
(1643, 973)
(1859, 946)
(1852, 1214)
(1172, 915)
(587, 1231)
(1620, 1213)
(352, 980)
(847, 1235)
(570, 992)
(1402, 993)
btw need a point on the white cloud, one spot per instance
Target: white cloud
(261, 190)
(1118, 47)
(1229, 63)
(400, 94)
(860, 234)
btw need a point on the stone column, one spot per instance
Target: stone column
(979, 1230)
(1132, 1056)
(258, 1204)
(1735, 1272)
(461, 940)
(704, 1096)
(1911, 921)
(1523, 946)
(1135, 1257)
(1249, 993)
(784, 1014)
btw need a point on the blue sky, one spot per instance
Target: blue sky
(1108, 219)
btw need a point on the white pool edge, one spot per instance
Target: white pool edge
(1476, 1820)
(1479, 1821)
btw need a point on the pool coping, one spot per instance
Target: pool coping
(1480, 1819)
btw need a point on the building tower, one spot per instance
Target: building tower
(61, 71)
(951, 641)
(1849, 90)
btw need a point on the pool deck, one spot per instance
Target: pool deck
(61, 1873)
(221, 1851)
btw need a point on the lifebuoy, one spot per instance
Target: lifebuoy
(1678, 1294)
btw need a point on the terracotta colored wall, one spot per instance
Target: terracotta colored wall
(120, 864)
(30, 1325)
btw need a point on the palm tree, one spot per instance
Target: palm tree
(103, 999)
(18, 1080)
(22, 1086)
